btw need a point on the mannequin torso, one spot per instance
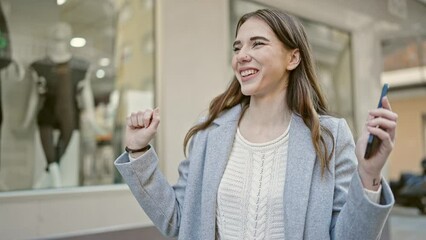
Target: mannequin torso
(59, 85)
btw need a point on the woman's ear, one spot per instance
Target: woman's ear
(294, 59)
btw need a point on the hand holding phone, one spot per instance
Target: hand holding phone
(373, 142)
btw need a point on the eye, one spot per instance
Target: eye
(236, 49)
(257, 43)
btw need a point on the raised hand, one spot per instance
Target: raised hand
(141, 128)
(381, 122)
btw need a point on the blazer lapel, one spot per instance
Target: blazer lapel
(300, 164)
(219, 145)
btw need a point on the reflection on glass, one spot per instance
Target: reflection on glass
(332, 51)
(404, 62)
(68, 72)
(401, 53)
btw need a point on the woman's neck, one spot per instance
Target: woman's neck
(265, 118)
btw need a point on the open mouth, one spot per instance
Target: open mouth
(248, 72)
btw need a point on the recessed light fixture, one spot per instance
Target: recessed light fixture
(100, 73)
(60, 2)
(78, 42)
(104, 62)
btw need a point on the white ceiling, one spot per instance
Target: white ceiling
(94, 20)
(29, 22)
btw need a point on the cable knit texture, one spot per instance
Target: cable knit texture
(250, 196)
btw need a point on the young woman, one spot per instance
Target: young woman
(268, 162)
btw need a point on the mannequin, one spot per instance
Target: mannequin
(4, 62)
(5, 50)
(17, 144)
(61, 91)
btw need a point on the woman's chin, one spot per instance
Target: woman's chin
(246, 92)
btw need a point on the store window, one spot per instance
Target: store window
(70, 71)
(332, 52)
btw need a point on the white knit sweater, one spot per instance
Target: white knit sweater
(250, 195)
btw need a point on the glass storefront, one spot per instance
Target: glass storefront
(332, 52)
(71, 70)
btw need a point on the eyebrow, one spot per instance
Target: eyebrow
(251, 39)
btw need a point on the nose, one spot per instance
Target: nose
(243, 57)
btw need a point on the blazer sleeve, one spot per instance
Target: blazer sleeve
(355, 216)
(160, 201)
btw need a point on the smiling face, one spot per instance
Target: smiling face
(260, 60)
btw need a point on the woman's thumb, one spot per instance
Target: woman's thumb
(155, 119)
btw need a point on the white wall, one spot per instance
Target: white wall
(38, 214)
(193, 42)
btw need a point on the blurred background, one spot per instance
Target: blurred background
(133, 54)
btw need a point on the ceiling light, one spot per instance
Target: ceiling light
(78, 42)
(100, 73)
(104, 62)
(60, 2)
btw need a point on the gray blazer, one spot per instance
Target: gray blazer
(330, 207)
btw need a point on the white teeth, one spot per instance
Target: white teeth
(248, 72)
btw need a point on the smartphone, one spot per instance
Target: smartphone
(373, 142)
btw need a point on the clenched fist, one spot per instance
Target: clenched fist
(141, 128)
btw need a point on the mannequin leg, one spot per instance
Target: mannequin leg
(64, 109)
(66, 128)
(52, 176)
(63, 141)
(46, 137)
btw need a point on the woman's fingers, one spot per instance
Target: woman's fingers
(141, 128)
(147, 116)
(384, 113)
(384, 118)
(385, 125)
(133, 120)
(382, 135)
(386, 103)
(382, 123)
(140, 119)
(155, 119)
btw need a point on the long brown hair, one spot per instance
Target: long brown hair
(304, 95)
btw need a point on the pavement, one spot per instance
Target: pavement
(407, 224)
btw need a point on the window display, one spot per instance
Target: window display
(61, 80)
(67, 71)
